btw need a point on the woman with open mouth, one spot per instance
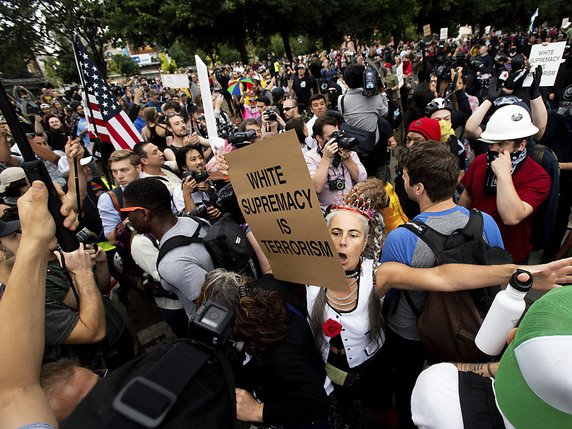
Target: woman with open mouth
(348, 324)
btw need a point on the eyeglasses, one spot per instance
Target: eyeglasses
(132, 209)
(287, 109)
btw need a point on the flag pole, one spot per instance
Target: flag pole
(97, 145)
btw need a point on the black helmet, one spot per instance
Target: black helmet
(438, 104)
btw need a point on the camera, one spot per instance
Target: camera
(370, 82)
(211, 325)
(199, 177)
(86, 236)
(337, 185)
(241, 138)
(270, 113)
(349, 143)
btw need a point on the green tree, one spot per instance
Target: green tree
(123, 65)
(46, 27)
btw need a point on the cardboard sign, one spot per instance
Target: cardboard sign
(399, 74)
(444, 34)
(549, 56)
(202, 72)
(427, 30)
(177, 81)
(277, 198)
(465, 30)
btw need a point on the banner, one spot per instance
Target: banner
(202, 72)
(177, 81)
(427, 30)
(277, 198)
(549, 56)
(399, 74)
(444, 34)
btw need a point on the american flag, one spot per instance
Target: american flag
(112, 125)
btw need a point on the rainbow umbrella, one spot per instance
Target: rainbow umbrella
(236, 87)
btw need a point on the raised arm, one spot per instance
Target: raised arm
(22, 401)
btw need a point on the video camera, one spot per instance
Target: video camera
(211, 325)
(240, 139)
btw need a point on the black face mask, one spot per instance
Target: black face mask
(517, 159)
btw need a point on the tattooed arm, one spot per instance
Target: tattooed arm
(482, 369)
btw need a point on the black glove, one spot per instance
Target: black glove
(535, 85)
(494, 90)
(515, 79)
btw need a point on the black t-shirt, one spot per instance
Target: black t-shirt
(303, 89)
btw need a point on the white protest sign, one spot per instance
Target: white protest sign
(465, 30)
(444, 33)
(215, 141)
(277, 198)
(487, 29)
(175, 80)
(549, 56)
(565, 23)
(399, 74)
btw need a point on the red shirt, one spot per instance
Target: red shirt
(532, 185)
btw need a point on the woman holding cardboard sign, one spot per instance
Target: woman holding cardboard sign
(348, 325)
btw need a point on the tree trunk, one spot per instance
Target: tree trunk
(286, 41)
(241, 46)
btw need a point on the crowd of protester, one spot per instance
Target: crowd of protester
(465, 134)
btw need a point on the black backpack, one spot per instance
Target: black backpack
(450, 321)
(478, 404)
(544, 218)
(175, 385)
(226, 243)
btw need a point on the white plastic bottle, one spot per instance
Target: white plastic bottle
(504, 314)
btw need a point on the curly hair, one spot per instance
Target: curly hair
(261, 317)
(261, 321)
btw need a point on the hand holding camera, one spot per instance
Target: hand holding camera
(189, 185)
(331, 149)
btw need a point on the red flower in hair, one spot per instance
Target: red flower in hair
(332, 328)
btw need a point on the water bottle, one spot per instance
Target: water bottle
(504, 314)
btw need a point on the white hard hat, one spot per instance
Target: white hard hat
(509, 123)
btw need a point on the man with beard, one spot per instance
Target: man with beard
(181, 136)
(55, 134)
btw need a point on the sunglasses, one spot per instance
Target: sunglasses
(132, 209)
(287, 109)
